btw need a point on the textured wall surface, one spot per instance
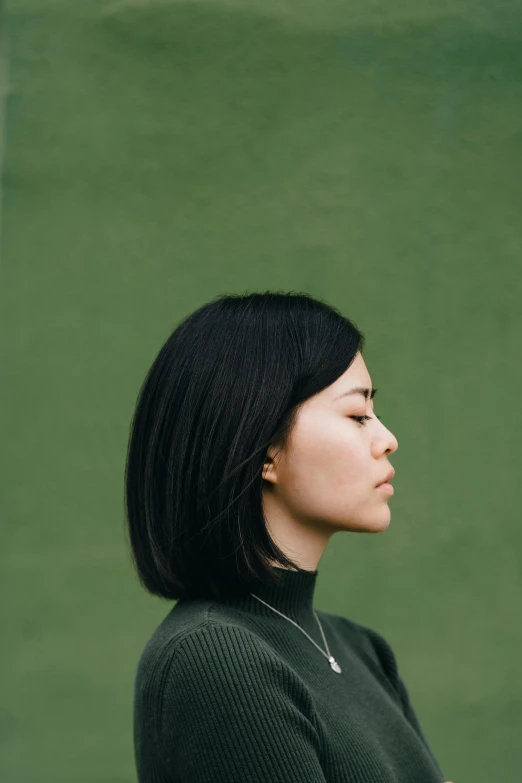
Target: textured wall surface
(159, 153)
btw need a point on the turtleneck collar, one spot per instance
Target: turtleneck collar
(294, 597)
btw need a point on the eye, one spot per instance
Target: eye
(362, 419)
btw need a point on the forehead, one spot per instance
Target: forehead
(356, 376)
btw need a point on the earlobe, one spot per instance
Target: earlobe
(268, 470)
(271, 463)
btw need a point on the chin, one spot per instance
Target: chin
(374, 525)
(377, 525)
(379, 528)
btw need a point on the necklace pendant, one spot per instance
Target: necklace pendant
(335, 666)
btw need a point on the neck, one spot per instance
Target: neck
(294, 597)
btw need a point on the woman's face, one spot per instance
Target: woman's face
(327, 477)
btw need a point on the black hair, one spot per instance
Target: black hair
(226, 385)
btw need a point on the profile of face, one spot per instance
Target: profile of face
(326, 479)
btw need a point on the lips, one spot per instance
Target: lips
(388, 477)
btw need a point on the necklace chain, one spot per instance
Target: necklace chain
(333, 663)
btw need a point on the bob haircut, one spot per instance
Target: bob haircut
(226, 385)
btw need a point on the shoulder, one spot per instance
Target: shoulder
(203, 648)
(225, 647)
(222, 671)
(220, 702)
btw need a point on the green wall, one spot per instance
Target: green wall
(160, 153)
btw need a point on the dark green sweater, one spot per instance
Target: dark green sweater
(231, 692)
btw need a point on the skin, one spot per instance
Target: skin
(325, 480)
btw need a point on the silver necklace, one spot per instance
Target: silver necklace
(333, 663)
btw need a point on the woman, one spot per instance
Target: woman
(255, 440)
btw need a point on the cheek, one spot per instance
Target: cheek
(331, 455)
(326, 479)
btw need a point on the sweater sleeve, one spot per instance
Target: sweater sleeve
(233, 711)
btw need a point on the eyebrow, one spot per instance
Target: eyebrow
(367, 393)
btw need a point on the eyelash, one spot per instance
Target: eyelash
(362, 419)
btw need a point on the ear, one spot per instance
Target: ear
(269, 468)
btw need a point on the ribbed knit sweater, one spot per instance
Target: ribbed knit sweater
(231, 692)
